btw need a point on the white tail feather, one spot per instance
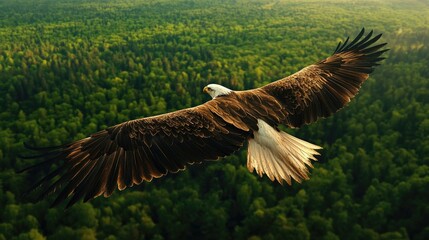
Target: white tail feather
(279, 155)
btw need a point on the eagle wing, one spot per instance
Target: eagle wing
(127, 154)
(321, 89)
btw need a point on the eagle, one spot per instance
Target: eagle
(140, 150)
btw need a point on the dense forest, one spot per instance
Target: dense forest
(71, 67)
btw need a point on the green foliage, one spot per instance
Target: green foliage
(70, 68)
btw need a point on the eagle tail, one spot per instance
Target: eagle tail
(279, 155)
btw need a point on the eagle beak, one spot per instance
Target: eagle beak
(206, 90)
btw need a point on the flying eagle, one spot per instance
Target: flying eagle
(139, 150)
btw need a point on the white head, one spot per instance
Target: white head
(215, 90)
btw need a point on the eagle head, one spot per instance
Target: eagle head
(215, 90)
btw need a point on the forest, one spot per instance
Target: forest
(69, 68)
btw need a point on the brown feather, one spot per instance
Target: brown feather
(321, 89)
(126, 154)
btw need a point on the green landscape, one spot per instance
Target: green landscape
(69, 68)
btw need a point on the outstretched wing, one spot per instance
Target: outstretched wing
(321, 89)
(129, 153)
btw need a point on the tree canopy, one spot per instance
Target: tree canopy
(70, 68)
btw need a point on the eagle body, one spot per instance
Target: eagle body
(139, 150)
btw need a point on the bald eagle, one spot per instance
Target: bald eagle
(139, 150)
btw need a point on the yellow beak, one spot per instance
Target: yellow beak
(206, 90)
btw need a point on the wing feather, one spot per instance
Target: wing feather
(321, 89)
(129, 153)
